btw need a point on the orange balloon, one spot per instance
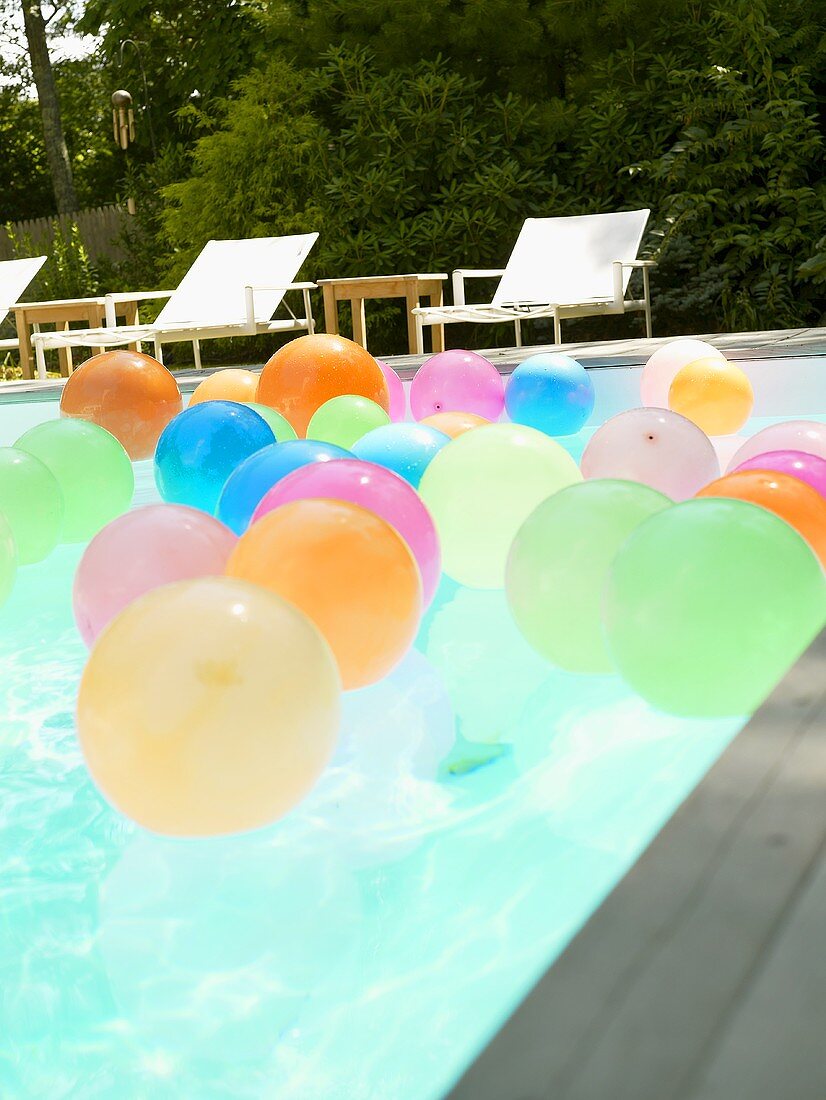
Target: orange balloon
(801, 506)
(350, 572)
(714, 393)
(308, 371)
(131, 395)
(226, 385)
(454, 423)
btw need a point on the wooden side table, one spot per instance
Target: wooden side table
(91, 312)
(410, 287)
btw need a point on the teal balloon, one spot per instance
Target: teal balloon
(91, 468)
(709, 603)
(559, 563)
(32, 501)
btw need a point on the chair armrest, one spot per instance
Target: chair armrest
(249, 297)
(619, 266)
(462, 273)
(285, 286)
(130, 296)
(640, 263)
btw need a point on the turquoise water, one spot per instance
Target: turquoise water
(479, 808)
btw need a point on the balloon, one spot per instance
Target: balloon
(660, 370)
(343, 420)
(805, 467)
(131, 395)
(200, 448)
(246, 486)
(714, 393)
(379, 491)
(395, 388)
(144, 549)
(282, 429)
(208, 707)
(482, 487)
(230, 384)
(655, 447)
(801, 506)
(550, 392)
(559, 563)
(406, 449)
(457, 381)
(32, 502)
(8, 559)
(308, 371)
(454, 424)
(91, 468)
(791, 435)
(345, 568)
(707, 605)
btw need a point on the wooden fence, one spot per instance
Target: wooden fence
(100, 230)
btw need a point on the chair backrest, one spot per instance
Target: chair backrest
(15, 276)
(563, 261)
(212, 291)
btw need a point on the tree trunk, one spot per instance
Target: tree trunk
(56, 151)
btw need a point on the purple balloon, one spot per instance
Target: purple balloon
(457, 381)
(805, 467)
(398, 401)
(655, 447)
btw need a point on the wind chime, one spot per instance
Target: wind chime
(123, 118)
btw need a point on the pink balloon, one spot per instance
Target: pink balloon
(805, 467)
(375, 488)
(663, 366)
(457, 381)
(398, 401)
(791, 435)
(655, 447)
(141, 550)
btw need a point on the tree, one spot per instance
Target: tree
(57, 154)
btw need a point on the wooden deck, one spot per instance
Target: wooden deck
(703, 975)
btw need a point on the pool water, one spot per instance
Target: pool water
(479, 808)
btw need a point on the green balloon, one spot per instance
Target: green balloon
(344, 420)
(281, 427)
(32, 502)
(708, 604)
(482, 487)
(560, 560)
(8, 559)
(92, 469)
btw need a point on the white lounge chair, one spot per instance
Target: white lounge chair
(560, 268)
(232, 289)
(15, 276)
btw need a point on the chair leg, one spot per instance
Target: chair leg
(40, 359)
(308, 313)
(557, 329)
(158, 349)
(649, 332)
(196, 351)
(517, 328)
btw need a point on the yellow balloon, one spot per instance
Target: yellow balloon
(209, 706)
(714, 393)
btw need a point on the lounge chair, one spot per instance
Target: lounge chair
(560, 268)
(232, 289)
(15, 276)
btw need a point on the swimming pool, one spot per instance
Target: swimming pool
(480, 806)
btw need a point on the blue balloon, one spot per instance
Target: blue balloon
(199, 449)
(406, 449)
(550, 392)
(256, 476)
